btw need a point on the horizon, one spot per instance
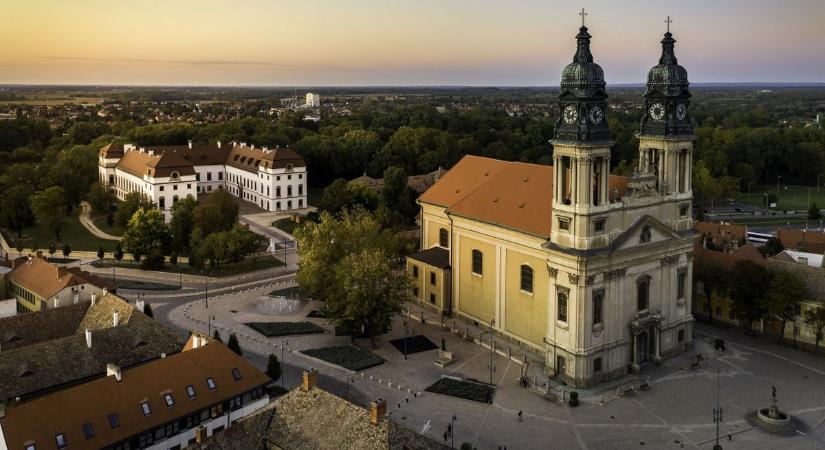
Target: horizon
(373, 43)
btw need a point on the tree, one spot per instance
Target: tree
(100, 253)
(132, 202)
(749, 288)
(217, 212)
(773, 247)
(173, 259)
(234, 345)
(15, 209)
(52, 249)
(147, 309)
(183, 221)
(786, 291)
(118, 253)
(815, 318)
(48, 207)
(100, 198)
(273, 367)
(371, 293)
(73, 169)
(67, 250)
(217, 336)
(814, 213)
(147, 235)
(336, 196)
(397, 196)
(713, 277)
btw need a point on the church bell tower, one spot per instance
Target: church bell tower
(666, 134)
(581, 152)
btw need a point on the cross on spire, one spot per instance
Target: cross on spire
(583, 14)
(668, 22)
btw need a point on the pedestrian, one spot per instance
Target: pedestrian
(730, 434)
(519, 416)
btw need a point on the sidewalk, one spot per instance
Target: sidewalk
(86, 221)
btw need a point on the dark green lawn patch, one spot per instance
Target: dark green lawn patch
(75, 234)
(415, 344)
(290, 292)
(468, 390)
(347, 356)
(271, 329)
(61, 260)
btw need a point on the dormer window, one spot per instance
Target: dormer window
(175, 174)
(144, 407)
(60, 439)
(170, 402)
(190, 391)
(288, 167)
(88, 430)
(211, 383)
(236, 374)
(30, 447)
(114, 421)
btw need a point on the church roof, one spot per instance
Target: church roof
(514, 195)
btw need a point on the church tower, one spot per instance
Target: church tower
(581, 153)
(666, 136)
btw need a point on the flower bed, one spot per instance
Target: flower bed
(273, 329)
(415, 344)
(347, 356)
(468, 390)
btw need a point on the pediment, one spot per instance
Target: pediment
(646, 231)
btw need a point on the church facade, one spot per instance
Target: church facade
(590, 269)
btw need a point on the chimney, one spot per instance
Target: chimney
(105, 291)
(88, 338)
(190, 143)
(139, 305)
(219, 144)
(94, 297)
(112, 369)
(75, 298)
(378, 409)
(115, 317)
(151, 153)
(310, 379)
(56, 302)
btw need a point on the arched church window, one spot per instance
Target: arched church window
(443, 238)
(642, 293)
(478, 262)
(162, 202)
(562, 307)
(526, 278)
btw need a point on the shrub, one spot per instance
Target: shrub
(234, 345)
(147, 309)
(273, 367)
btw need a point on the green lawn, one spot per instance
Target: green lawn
(222, 271)
(75, 234)
(790, 197)
(286, 225)
(100, 222)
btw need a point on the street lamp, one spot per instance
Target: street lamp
(750, 199)
(451, 431)
(206, 290)
(492, 350)
(209, 319)
(717, 413)
(406, 333)
(778, 179)
(283, 366)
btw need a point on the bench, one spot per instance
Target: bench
(444, 358)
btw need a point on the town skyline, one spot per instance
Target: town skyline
(458, 44)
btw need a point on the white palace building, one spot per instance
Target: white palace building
(274, 179)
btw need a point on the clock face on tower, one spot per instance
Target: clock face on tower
(657, 111)
(681, 111)
(570, 114)
(596, 115)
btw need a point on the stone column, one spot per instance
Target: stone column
(657, 340)
(574, 179)
(634, 360)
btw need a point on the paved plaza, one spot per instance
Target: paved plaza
(675, 413)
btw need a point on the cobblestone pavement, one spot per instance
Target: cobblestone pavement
(675, 413)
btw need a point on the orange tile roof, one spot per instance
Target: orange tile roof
(43, 278)
(716, 231)
(805, 240)
(510, 194)
(726, 260)
(66, 411)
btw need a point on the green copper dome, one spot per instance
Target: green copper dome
(668, 77)
(583, 77)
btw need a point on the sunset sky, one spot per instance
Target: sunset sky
(400, 42)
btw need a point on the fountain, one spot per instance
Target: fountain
(278, 305)
(772, 419)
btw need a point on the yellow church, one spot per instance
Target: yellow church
(590, 269)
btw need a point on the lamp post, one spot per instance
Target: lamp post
(749, 196)
(209, 318)
(492, 350)
(283, 366)
(206, 291)
(406, 333)
(778, 178)
(717, 413)
(451, 430)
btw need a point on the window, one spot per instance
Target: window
(161, 188)
(680, 336)
(680, 284)
(170, 402)
(144, 406)
(88, 430)
(432, 278)
(220, 175)
(797, 309)
(683, 210)
(564, 223)
(174, 187)
(598, 224)
(60, 440)
(642, 290)
(415, 292)
(562, 307)
(415, 271)
(190, 391)
(598, 300)
(236, 374)
(30, 447)
(478, 262)
(300, 189)
(162, 203)
(597, 365)
(432, 298)
(114, 421)
(443, 238)
(211, 383)
(526, 278)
